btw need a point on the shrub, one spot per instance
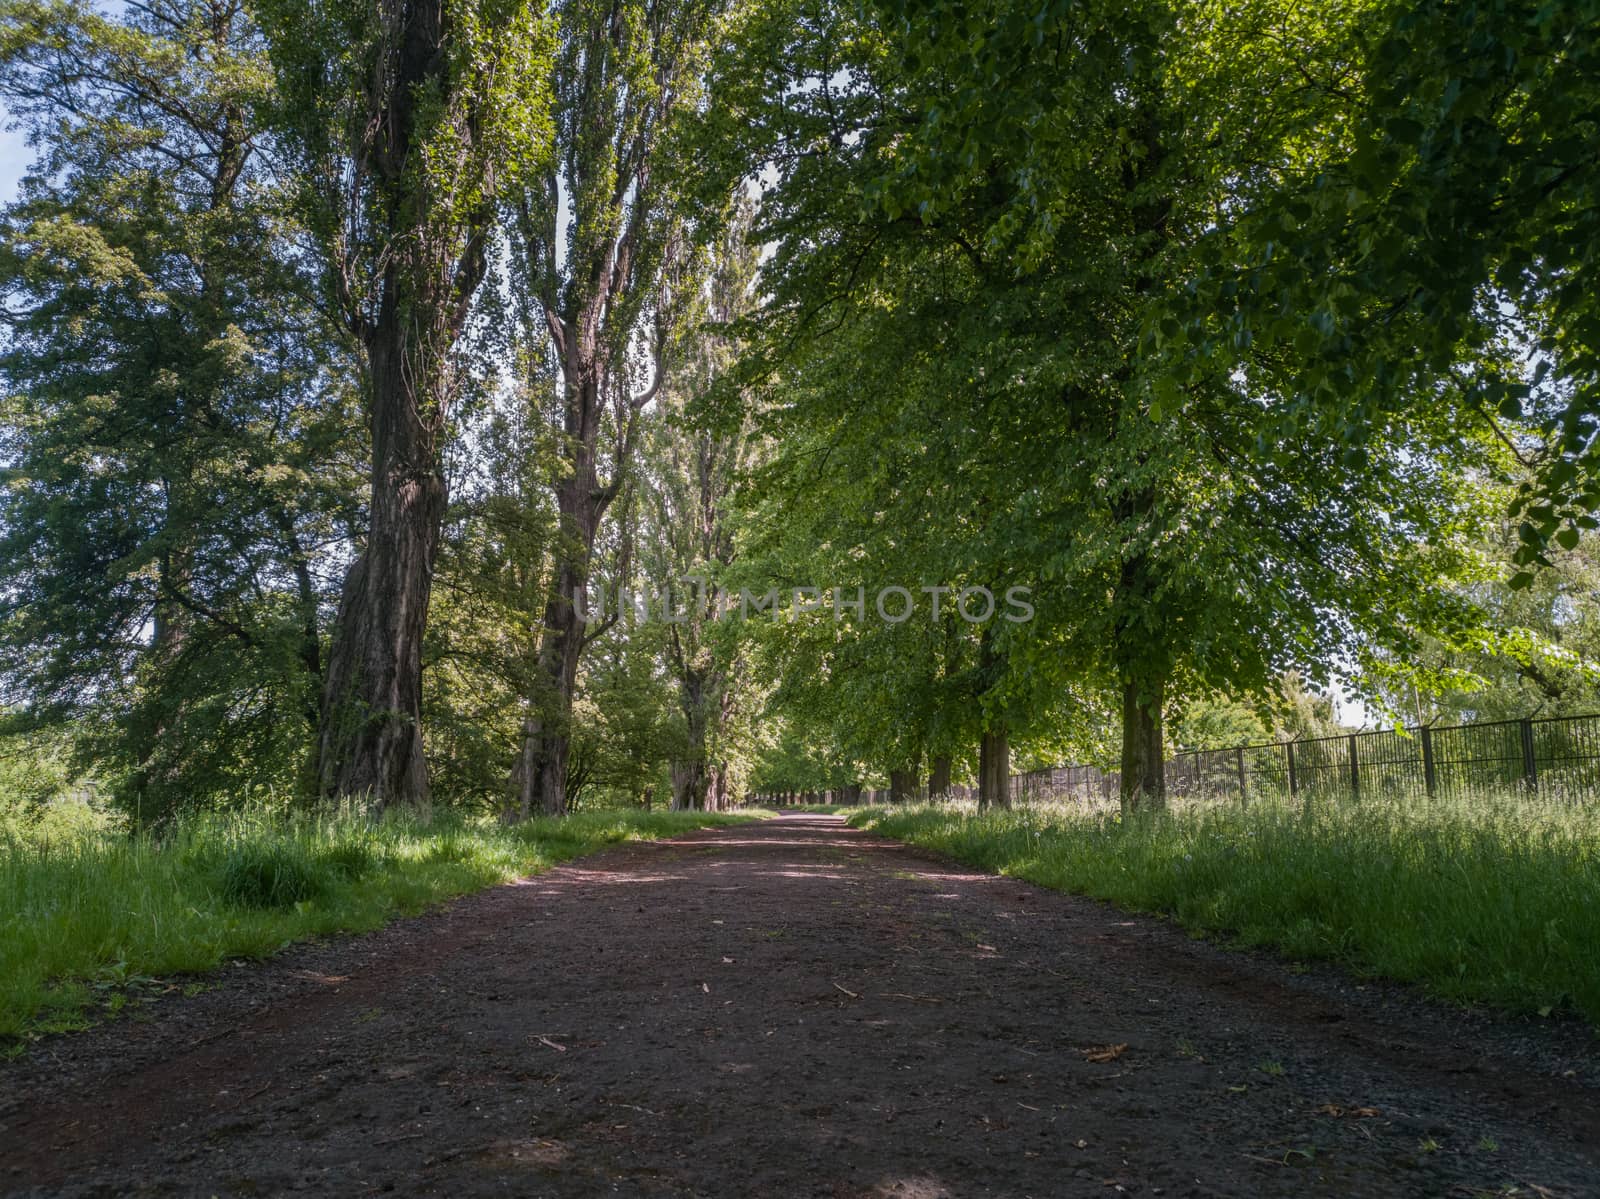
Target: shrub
(350, 858)
(271, 875)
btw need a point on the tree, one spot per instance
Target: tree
(599, 285)
(407, 117)
(1287, 712)
(1540, 651)
(179, 442)
(1458, 202)
(488, 596)
(1023, 195)
(691, 466)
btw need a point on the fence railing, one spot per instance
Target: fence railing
(1552, 755)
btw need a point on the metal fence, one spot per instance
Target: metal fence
(1080, 784)
(1557, 756)
(1553, 755)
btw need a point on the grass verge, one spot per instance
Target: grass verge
(1496, 900)
(92, 918)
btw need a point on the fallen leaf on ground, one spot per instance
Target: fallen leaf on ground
(1105, 1053)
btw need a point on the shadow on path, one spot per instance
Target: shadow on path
(785, 1009)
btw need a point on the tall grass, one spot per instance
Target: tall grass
(91, 916)
(1495, 899)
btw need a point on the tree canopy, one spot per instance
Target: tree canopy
(530, 406)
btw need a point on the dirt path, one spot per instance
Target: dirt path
(795, 1009)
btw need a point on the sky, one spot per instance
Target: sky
(14, 156)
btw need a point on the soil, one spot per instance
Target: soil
(795, 1008)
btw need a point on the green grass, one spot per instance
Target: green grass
(92, 918)
(1496, 900)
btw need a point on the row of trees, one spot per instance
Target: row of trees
(357, 361)
(280, 275)
(1226, 329)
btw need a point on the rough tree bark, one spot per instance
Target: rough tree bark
(691, 779)
(693, 776)
(939, 777)
(994, 768)
(903, 783)
(431, 219)
(370, 741)
(1144, 784)
(539, 776)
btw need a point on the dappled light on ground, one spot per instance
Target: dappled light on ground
(797, 1009)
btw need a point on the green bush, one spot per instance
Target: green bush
(271, 875)
(350, 858)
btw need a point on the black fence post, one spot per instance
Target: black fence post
(1294, 783)
(1430, 778)
(1530, 766)
(1355, 769)
(1244, 788)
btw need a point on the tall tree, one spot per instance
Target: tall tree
(178, 440)
(596, 239)
(692, 465)
(1034, 189)
(408, 117)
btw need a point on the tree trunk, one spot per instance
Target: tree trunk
(600, 279)
(939, 777)
(539, 775)
(1144, 784)
(689, 786)
(994, 768)
(691, 777)
(903, 785)
(370, 741)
